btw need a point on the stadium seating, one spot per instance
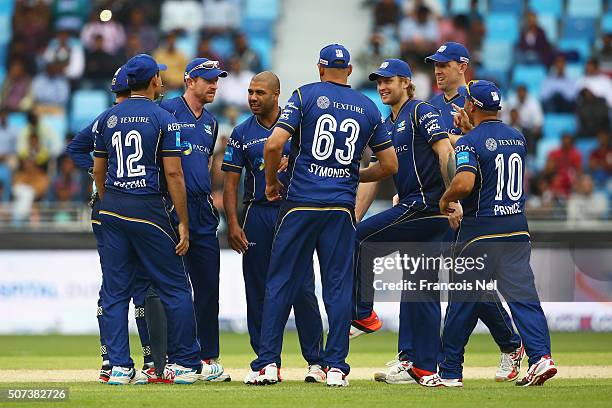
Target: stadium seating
(585, 146)
(529, 75)
(463, 6)
(574, 71)
(606, 23)
(578, 45)
(507, 6)
(262, 9)
(17, 120)
(222, 45)
(555, 124)
(263, 48)
(579, 27)
(550, 25)
(188, 44)
(499, 76)
(547, 7)
(86, 105)
(58, 124)
(543, 148)
(373, 95)
(584, 8)
(502, 26)
(497, 55)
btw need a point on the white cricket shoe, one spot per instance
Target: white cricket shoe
(396, 373)
(123, 376)
(435, 380)
(538, 373)
(336, 378)
(268, 375)
(315, 374)
(212, 370)
(180, 375)
(251, 378)
(510, 365)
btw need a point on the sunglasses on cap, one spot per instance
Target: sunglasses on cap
(204, 65)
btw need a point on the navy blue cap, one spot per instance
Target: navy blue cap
(120, 81)
(450, 51)
(392, 67)
(141, 68)
(484, 94)
(205, 68)
(334, 56)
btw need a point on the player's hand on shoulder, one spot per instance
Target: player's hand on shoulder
(273, 191)
(237, 239)
(462, 120)
(183, 245)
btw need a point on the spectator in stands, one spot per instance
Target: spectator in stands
(557, 92)
(386, 13)
(111, 31)
(541, 202)
(222, 17)
(455, 29)
(411, 7)
(16, 90)
(68, 51)
(249, 60)
(30, 183)
(600, 160)
(418, 35)
(38, 142)
(66, 186)
(182, 15)
(50, 90)
(70, 13)
(100, 64)
(529, 109)
(592, 113)
(380, 47)
(598, 83)
(176, 61)
(563, 166)
(8, 138)
(533, 46)
(585, 204)
(132, 47)
(31, 25)
(604, 54)
(514, 120)
(146, 33)
(422, 82)
(205, 50)
(477, 28)
(233, 91)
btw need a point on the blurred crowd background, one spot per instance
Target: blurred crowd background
(551, 58)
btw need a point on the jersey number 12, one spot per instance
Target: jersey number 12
(131, 138)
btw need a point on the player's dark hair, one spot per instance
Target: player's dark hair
(125, 94)
(140, 86)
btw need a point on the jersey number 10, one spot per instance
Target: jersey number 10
(133, 137)
(514, 188)
(323, 141)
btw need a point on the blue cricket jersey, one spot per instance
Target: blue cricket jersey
(82, 145)
(445, 106)
(331, 125)
(134, 136)
(495, 152)
(418, 126)
(245, 149)
(198, 136)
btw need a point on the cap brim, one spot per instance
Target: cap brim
(437, 57)
(380, 73)
(162, 67)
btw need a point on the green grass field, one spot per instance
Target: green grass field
(80, 352)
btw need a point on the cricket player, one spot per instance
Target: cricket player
(489, 181)
(198, 136)
(136, 160)
(331, 125)
(450, 63)
(245, 150)
(424, 153)
(80, 149)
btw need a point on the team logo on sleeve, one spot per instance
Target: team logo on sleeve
(111, 122)
(463, 158)
(491, 144)
(229, 153)
(208, 129)
(323, 102)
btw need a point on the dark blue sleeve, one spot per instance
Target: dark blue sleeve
(170, 136)
(430, 123)
(233, 159)
(465, 154)
(291, 116)
(82, 145)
